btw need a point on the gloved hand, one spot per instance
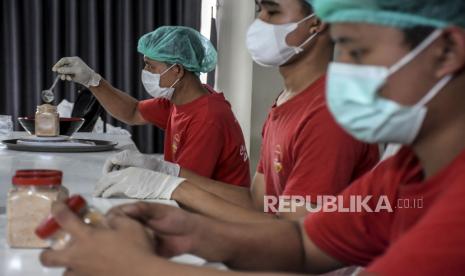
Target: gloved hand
(137, 183)
(74, 69)
(130, 158)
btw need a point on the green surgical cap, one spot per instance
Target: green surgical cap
(179, 45)
(393, 13)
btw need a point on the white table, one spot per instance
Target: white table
(80, 173)
(80, 170)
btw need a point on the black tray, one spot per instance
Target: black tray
(100, 145)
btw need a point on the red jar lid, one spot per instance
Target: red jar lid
(39, 172)
(37, 177)
(49, 226)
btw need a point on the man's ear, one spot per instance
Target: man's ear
(179, 69)
(318, 26)
(452, 56)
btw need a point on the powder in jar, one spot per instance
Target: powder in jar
(47, 123)
(29, 202)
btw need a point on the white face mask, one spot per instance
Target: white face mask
(151, 84)
(267, 42)
(353, 99)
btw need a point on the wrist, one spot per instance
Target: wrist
(94, 80)
(159, 265)
(165, 167)
(143, 263)
(173, 169)
(179, 192)
(209, 242)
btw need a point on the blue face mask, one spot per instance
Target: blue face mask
(353, 99)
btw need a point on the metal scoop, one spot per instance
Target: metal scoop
(47, 95)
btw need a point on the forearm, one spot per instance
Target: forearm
(268, 246)
(195, 199)
(119, 104)
(238, 195)
(165, 267)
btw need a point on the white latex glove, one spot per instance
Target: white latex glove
(130, 158)
(137, 183)
(74, 69)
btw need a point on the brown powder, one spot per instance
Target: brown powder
(47, 122)
(26, 208)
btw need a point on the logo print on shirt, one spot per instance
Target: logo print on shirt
(175, 145)
(243, 153)
(278, 157)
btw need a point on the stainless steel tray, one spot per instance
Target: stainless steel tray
(100, 145)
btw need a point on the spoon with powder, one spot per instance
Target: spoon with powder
(47, 95)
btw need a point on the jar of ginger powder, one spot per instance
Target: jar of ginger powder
(29, 202)
(47, 123)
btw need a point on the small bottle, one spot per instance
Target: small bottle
(57, 238)
(47, 122)
(29, 202)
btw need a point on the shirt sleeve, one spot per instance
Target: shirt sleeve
(156, 111)
(434, 246)
(203, 149)
(353, 237)
(324, 158)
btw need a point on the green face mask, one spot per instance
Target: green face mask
(354, 101)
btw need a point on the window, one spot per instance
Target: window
(208, 12)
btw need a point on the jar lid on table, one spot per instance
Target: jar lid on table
(49, 226)
(37, 178)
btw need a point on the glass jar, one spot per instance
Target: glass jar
(47, 123)
(6, 125)
(29, 202)
(56, 238)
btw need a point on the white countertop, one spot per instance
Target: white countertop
(80, 173)
(80, 170)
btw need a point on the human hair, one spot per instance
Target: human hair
(306, 7)
(415, 35)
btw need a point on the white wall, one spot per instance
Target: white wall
(267, 84)
(234, 71)
(251, 89)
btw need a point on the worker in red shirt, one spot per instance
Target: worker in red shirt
(201, 132)
(398, 77)
(304, 152)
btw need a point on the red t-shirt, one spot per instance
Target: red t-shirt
(305, 153)
(408, 241)
(202, 136)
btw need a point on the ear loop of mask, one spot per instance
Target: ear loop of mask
(435, 90)
(161, 74)
(413, 54)
(305, 18)
(299, 49)
(176, 82)
(167, 69)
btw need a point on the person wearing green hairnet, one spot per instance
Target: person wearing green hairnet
(398, 76)
(201, 132)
